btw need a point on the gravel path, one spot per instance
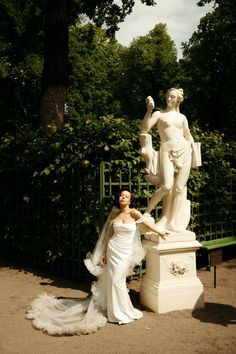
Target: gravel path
(209, 330)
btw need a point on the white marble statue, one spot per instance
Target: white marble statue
(169, 168)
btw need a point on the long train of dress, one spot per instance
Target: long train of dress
(110, 300)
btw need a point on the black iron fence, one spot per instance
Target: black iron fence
(51, 223)
(213, 207)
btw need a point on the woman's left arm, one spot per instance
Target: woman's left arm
(145, 222)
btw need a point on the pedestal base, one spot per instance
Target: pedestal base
(171, 281)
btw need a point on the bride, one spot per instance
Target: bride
(116, 253)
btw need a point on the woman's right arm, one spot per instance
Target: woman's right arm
(110, 232)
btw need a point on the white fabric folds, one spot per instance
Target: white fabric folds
(109, 300)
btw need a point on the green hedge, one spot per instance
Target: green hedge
(50, 201)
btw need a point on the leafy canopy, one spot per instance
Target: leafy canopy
(209, 65)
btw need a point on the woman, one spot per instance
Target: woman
(174, 160)
(117, 251)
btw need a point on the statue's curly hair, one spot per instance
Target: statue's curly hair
(179, 91)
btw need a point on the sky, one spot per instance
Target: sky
(181, 16)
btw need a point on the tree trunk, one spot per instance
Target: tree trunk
(56, 65)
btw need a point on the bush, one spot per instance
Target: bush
(50, 204)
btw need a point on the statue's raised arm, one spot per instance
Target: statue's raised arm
(169, 168)
(149, 119)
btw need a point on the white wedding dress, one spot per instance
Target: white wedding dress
(110, 300)
(119, 257)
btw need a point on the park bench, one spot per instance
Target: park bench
(214, 251)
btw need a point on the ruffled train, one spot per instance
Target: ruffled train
(59, 316)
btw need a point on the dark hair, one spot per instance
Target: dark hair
(123, 189)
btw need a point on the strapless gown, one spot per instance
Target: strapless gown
(110, 299)
(119, 254)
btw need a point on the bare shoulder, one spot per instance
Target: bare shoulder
(135, 214)
(161, 114)
(183, 117)
(156, 114)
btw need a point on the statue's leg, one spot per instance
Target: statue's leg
(156, 198)
(165, 214)
(167, 179)
(155, 180)
(179, 198)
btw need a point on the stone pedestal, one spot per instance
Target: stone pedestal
(171, 281)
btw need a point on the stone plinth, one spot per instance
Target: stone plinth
(171, 281)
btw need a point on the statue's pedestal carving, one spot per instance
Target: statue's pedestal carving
(171, 281)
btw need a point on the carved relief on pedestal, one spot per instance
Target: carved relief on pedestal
(177, 267)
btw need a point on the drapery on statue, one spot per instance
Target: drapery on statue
(169, 168)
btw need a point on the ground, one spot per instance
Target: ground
(206, 331)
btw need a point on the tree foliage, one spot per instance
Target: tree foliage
(107, 12)
(21, 52)
(209, 65)
(56, 62)
(95, 60)
(109, 78)
(149, 68)
(33, 30)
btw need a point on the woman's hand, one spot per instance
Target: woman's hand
(161, 233)
(104, 260)
(149, 223)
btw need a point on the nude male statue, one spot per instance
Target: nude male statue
(169, 168)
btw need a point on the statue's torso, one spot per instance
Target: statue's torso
(170, 128)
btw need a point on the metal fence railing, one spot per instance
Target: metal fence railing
(51, 223)
(213, 210)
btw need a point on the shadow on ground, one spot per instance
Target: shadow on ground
(220, 314)
(49, 279)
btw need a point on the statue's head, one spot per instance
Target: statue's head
(179, 92)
